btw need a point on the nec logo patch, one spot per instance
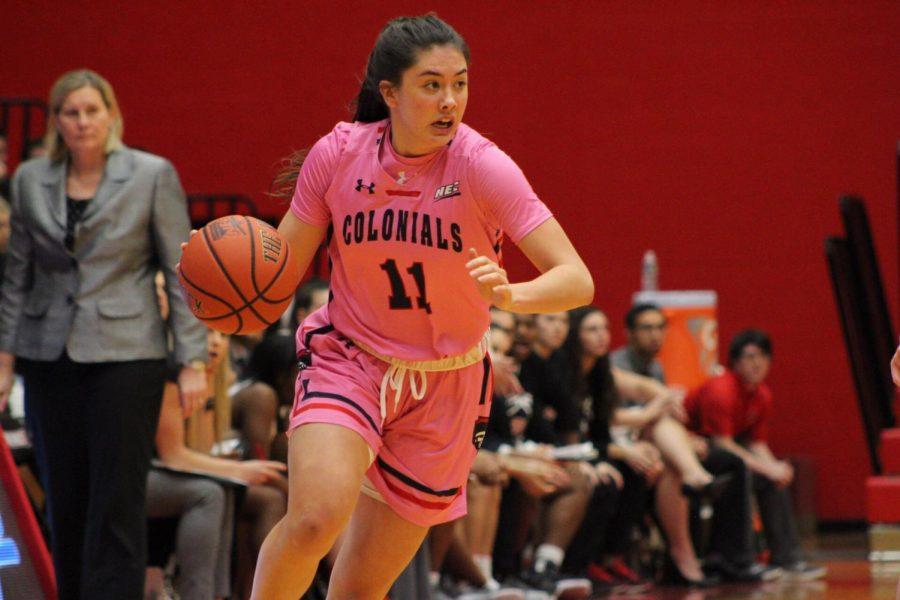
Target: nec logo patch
(447, 191)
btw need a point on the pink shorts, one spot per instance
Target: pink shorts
(424, 448)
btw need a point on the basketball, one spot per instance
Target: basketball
(238, 275)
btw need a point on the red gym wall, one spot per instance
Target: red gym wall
(718, 135)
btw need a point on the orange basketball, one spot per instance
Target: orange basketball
(238, 274)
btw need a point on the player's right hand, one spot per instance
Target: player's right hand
(895, 367)
(491, 279)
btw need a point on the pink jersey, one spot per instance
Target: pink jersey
(402, 229)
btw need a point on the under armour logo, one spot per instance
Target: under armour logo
(401, 177)
(360, 186)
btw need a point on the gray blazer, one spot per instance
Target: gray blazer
(99, 301)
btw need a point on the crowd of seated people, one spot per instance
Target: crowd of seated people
(588, 452)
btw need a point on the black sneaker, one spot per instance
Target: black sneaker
(530, 592)
(752, 573)
(539, 580)
(559, 586)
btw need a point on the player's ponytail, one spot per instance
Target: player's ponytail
(396, 50)
(285, 180)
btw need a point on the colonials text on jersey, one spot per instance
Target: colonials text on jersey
(401, 226)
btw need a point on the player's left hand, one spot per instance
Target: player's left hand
(492, 282)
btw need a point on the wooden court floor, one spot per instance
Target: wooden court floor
(846, 580)
(850, 577)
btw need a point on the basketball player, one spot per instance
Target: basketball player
(394, 397)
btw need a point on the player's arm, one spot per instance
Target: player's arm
(564, 282)
(304, 239)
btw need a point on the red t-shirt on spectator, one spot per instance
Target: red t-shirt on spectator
(723, 407)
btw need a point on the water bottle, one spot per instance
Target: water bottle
(649, 272)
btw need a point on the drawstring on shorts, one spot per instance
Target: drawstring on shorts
(416, 371)
(394, 377)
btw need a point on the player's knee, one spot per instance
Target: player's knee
(313, 531)
(359, 592)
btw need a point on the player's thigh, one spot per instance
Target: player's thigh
(326, 465)
(377, 547)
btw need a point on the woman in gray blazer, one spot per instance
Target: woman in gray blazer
(91, 224)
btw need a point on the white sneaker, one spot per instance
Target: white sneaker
(573, 588)
(803, 571)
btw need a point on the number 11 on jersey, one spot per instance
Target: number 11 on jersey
(398, 299)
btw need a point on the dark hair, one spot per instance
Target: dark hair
(637, 310)
(396, 50)
(598, 382)
(271, 359)
(748, 337)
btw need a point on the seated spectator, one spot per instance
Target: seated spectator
(263, 504)
(566, 492)
(485, 488)
(310, 297)
(638, 373)
(542, 373)
(262, 400)
(523, 337)
(735, 410)
(462, 549)
(645, 326)
(604, 539)
(205, 509)
(534, 472)
(241, 348)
